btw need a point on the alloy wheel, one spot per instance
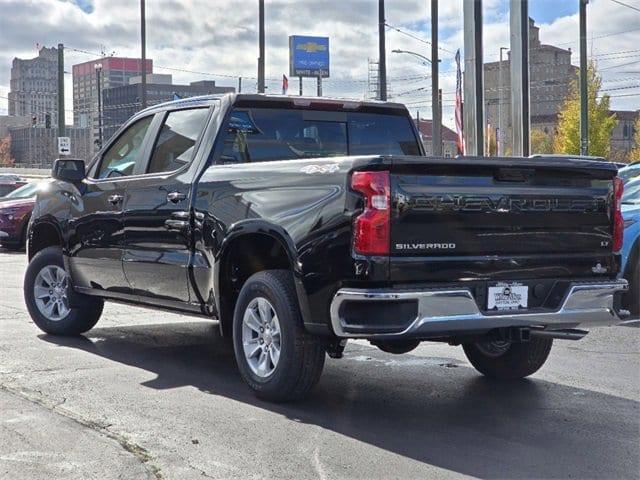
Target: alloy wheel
(50, 292)
(261, 337)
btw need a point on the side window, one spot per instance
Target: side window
(262, 135)
(121, 158)
(176, 143)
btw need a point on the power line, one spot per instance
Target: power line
(415, 37)
(626, 5)
(619, 65)
(601, 36)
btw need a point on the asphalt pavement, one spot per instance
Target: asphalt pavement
(148, 394)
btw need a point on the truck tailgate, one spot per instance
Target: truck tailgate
(462, 218)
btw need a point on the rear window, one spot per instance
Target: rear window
(264, 134)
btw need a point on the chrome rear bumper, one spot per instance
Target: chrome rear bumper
(455, 311)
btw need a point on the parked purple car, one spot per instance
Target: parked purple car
(15, 211)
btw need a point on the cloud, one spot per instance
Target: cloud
(220, 37)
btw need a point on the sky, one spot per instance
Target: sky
(217, 40)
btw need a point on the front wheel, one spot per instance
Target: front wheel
(46, 293)
(277, 358)
(508, 361)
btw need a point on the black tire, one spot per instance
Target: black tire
(301, 354)
(518, 360)
(81, 317)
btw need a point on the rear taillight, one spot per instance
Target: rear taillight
(371, 229)
(618, 221)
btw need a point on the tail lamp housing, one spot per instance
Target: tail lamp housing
(372, 227)
(618, 221)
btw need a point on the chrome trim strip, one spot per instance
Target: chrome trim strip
(586, 304)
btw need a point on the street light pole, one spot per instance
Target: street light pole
(143, 67)
(61, 119)
(382, 63)
(417, 55)
(436, 106)
(584, 94)
(261, 83)
(500, 98)
(99, 90)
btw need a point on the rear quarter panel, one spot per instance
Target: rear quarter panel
(303, 203)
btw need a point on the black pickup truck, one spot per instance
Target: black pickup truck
(299, 223)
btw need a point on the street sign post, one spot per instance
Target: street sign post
(64, 146)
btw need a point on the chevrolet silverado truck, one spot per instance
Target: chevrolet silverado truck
(299, 223)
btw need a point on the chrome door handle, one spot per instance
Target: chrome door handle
(115, 199)
(176, 225)
(176, 197)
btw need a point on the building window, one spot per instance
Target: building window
(625, 131)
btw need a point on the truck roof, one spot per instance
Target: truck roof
(253, 98)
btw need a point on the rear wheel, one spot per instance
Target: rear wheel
(277, 358)
(508, 361)
(46, 292)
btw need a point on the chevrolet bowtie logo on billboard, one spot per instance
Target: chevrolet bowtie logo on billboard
(311, 47)
(308, 56)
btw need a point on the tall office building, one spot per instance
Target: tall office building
(120, 103)
(34, 87)
(550, 76)
(91, 78)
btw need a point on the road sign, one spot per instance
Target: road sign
(308, 56)
(64, 146)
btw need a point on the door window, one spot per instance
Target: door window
(176, 143)
(120, 159)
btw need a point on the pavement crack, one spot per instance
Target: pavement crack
(139, 452)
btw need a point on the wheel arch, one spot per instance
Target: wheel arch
(249, 247)
(42, 234)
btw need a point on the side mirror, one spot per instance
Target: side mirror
(68, 170)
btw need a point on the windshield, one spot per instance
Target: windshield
(264, 134)
(631, 193)
(26, 191)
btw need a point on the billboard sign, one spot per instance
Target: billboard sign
(308, 56)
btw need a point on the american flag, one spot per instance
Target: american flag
(461, 146)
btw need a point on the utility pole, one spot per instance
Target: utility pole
(519, 67)
(61, 120)
(436, 105)
(99, 90)
(261, 46)
(382, 63)
(473, 78)
(584, 94)
(500, 100)
(143, 44)
(239, 84)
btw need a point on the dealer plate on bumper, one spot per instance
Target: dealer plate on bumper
(507, 296)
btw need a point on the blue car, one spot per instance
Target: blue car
(631, 243)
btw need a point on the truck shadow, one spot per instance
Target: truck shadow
(430, 410)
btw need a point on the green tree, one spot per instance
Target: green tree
(634, 156)
(541, 142)
(601, 121)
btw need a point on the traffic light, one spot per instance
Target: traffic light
(47, 120)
